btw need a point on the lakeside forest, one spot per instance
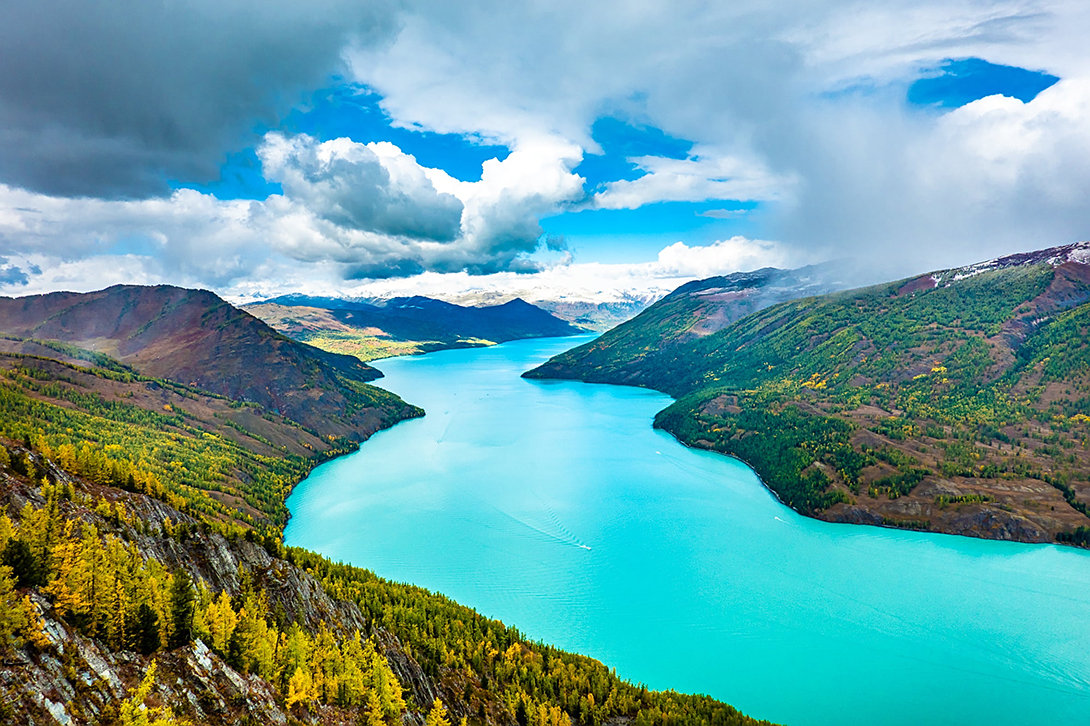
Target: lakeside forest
(957, 401)
(142, 566)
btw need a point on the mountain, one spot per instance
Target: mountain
(136, 372)
(586, 309)
(598, 316)
(194, 338)
(404, 325)
(699, 308)
(956, 401)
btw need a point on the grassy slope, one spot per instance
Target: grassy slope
(954, 408)
(325, 330)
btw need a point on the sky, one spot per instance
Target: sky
(343, 147)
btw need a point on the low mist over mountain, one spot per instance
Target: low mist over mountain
(694, 310)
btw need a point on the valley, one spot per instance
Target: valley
(181, 432)
(148, 440)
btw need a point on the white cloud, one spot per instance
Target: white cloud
(704, 175)
(731, 255)
(348, 210)
(198, 236)
(364, 187)
(250, 250)
(592, 281)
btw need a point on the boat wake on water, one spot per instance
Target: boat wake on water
(556, 533)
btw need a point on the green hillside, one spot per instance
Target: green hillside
(633, 352)
(956, 401)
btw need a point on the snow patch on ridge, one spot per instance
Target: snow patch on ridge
(1078, 252)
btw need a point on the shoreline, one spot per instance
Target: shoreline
(856, 514)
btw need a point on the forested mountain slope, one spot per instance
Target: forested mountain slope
(211, 409)
(957, 401)
(142, 575)
(629, 353)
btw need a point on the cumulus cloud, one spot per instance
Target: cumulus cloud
(365, 187)
(377, 210)
(195, 236)
(349, 210)
(502, 209)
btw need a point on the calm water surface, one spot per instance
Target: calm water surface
(557, 508)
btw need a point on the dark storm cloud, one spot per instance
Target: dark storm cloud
(115, 99)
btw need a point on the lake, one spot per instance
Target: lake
(555, 507)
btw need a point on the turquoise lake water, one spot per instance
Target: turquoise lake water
(555, 507)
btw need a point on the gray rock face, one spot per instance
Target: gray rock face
(77, 680)
(857, 515)
(994, 524)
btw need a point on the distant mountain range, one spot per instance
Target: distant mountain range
(598, 313)
(404, 325)
(956, 401)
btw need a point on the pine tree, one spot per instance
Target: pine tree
(146, 629)
(373, 716)
(35, 627)
(27, 569)
(182, 606)
(67, 586)
(134, 712)
(221, 621)
(384, 683)
(300, 688)
(13, 620)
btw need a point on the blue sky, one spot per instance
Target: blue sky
(322, 147)
(955, 83)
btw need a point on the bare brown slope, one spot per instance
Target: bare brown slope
(195, 338)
